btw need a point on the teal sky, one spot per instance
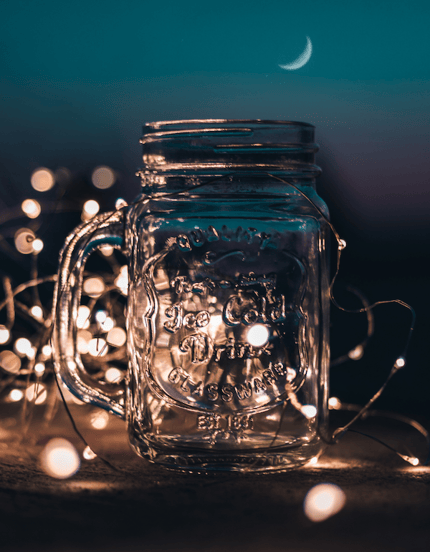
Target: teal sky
(77, 81)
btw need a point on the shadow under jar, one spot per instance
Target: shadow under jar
(228, 299)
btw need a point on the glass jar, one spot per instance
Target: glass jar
(228, 298)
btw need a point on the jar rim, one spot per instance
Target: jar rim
(195, 123)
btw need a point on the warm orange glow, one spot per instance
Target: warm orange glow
(116, 337)
(24, 239)
(258, 335)
(103, 177)
(31, 208)
(60, 459)
(10, 362)
(42, 179)
(94, 287)
(4, 334)
(323, 501)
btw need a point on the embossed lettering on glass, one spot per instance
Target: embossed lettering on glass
(228, 298)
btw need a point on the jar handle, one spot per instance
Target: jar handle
(105, 229)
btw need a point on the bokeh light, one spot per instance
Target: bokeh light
(37, 312)
(83, 318)
(91, 208)
(103, 177)
(309, 410)
(323, 501)
(113, 375)
(31, 208)
(37, 245)
(24, 347)
(60, 459)
(10, 362)
(37, 393)
(94, 287)
(42, 179)
(24, 239)
(99, 419)
(258, 335)
(116, 337)
(89, 454)
(4, 334)
(97, 347)
(15, 395)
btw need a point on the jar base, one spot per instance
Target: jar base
(206, 461)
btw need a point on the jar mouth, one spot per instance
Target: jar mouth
(202, 145)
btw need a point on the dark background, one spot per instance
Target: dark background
(79, 79)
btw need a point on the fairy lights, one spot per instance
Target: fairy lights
(258, 335)
(4, 334)
(89, 454)
(90, 209)
(31, 208)
(99, 419)
(42, 179)
(101, 335)
(60, 459)
(37, 245)
(10, 362)
(323, 501)
(24, 239)
(103, 177)
(94, 287)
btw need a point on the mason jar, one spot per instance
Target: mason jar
(228, 298)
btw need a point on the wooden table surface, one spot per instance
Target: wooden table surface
(141, 507)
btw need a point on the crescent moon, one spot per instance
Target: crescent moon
(303, 58)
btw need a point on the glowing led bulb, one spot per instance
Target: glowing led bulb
(121, 281)
(16, 395)
(24, 239)
(37, 245)
(4, 334)
(120, 203)
(91, 208)
(31, 208)
(23, 347)
(410, 459)
(39, 368)
(103, 177)
(94, 287)
(42, 179)
(60, 459)
(37, 393)
(341, 244)
(357, 353)
(10, 362)
(400, 362)
(258, 335)
(46, 352)
(116, 337)
(97, 347)
(323, 501)
(83, 319)
(101, 316)
(113, 375)
(309, 411)
(106, 250)
(99, 419)
(37, 312)
(334, 403)
(89, 454)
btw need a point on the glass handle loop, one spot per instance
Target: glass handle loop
(105, 229)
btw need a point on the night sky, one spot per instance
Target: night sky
(78, 80)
